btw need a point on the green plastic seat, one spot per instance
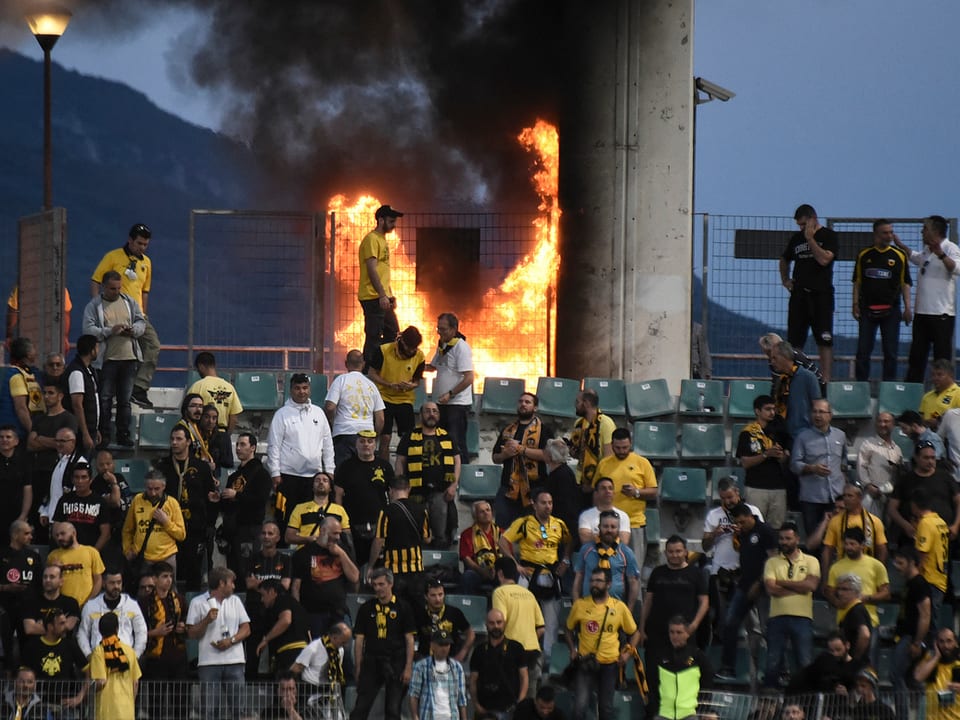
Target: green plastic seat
(712, 392)
(318, 386)
(849, 399)
(626, 705)
(258, 390)
(895, 397)
(904, 442)
(500, 395)
(478, 482)
(443, 558)
(649, 399)
(655, 440)
(610, 391)
(558, 396)
(683, 485)
(155, 430)
(133, 470)
(473, 436)
(653, 526)
(354, 601)
(704, 441)
(474, 608)
(742, 395)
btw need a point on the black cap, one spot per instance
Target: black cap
(387, 211)
(139, 230)
(911, 417)
(441, 637)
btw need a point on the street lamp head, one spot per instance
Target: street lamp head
(48, 25)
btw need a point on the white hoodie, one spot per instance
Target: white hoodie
(300, 442)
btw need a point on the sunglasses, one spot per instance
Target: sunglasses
(543, 532)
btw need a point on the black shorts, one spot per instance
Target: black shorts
(402, 414)
(813, 310)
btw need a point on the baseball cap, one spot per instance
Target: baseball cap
(911, 417)
(441, 637)
(139, 230)
(387, 211)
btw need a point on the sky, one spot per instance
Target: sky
(845, 104)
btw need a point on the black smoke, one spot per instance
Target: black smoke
(417, 100)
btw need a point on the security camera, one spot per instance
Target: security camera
(713, 91)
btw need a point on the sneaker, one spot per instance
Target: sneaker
(139, 396)
(726, 675)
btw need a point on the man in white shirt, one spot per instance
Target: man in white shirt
(299, 446)
(588, 527)
(133, 627)
(219, 621)
(935, 308)
(312, 662)
(353, 403)
(877, 464)
(453, 388)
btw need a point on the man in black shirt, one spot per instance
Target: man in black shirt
(20, 568)
(267, 564)
(56, 656)
(519, 448)
(830, 671)
(402, 529)
(383, 648)
(856, 627)
(498, 670)
(434, 615)
(83, 388)
(812, 251)
(85, 510)
(287, 623)
(360, 484)
(38, 604)
(760, 449)
(542, 707)
(243, 502)
(936, 483)
(323, 571)
(913, 624)
(881, 276)
(46, 453)
(114, 490)
(15, 482)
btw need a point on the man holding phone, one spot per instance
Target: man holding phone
(940, 671)
(153, 526)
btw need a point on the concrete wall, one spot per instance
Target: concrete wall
(626, 179)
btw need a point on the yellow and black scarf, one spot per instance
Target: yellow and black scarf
(161, 611)
(334, 666)
(605, 552)
(113, 656)
(524, 471)
(485, 553)
(587, 446)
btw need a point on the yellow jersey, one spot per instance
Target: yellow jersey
(933, 539)
(586, 617)
(374, 245)
(632, 470)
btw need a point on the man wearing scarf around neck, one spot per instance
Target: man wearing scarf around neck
(609, 553)
(114, 669)
(520, 450)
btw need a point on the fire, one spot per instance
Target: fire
(513, 331)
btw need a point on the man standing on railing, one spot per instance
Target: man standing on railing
(812, 251)
(936, 304)
(881, 276)
(133, 267)
(375, 294)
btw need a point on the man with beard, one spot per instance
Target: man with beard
(133, 627)
(519, 448)
(323, 572)
(818, 456)
(38, 605)
(434, 614)
(854, 515)
(878, 463)
(762, 456)
(875, 582)
(377, 300)
(190, 482)
(191, 412)
(153, 527)
(15, 483)
(832, 671)
(242, 502)
(932, 544)
(429, 458)
(676, 588)
(588, 524)
(944, 396)
(634, 485)
(165, 612)
(84, 510)
(360, 484)
(597, 620)
(592, 436)
(266, 564)
(913, 624)
(396, 369)
(608, 553)
(543, 550)
(937, 486)
(758, 542)
(523, 620)
(55, 658)
(790, 579)
(42, 443)
(938, 669)
(498, 671)
(114, 490)
(304, 522)
(81, 564)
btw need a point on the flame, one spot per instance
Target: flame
(513, 332)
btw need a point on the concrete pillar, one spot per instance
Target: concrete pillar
(626, 183)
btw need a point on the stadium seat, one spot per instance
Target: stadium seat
(318, 386)
(849, 399)
(444, 558)
(473, 436)
(258, 391)
(712, 392)
(683, 485)
(904, 442)
(895, 397)
(133, 471)
(887, 617)
(192, 377)
(500, 395)
(155, 430)
(559, 658)
(354, 601)
(613, 398)
(626, 705)
(705, 441)
(742, 395)
(655, 441)
(824, 619)
(564, 611)
(653, 526)
(649, 399)
(558, 396)
(478, 482)
(474, 607)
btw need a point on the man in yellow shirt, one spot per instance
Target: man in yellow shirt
(304, 523)
(944, 396)
(854, 515)
(597, 621)
(216, 391)
(153, 508)
(932, 541)
(396, 368)
(634, 484)
(81, 564)
(523, 619)
(874, 579)
(591, 438)
(375, 294)
(136, 274)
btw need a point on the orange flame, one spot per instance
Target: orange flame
(513, 332)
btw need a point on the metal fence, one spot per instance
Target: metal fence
(736, 270)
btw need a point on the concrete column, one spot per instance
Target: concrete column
(626, 181)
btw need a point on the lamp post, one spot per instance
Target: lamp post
(47, 26)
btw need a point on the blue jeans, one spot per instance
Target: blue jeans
(890, 341)
(780, 629)
(116, 381)
(224, 681)
(736, 612)
(603, 682)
